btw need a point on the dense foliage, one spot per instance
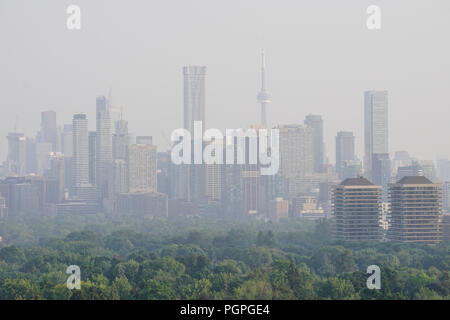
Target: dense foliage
(191, 258)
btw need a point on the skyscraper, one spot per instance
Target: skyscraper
(416, 210)
(357, 210)
(17, 157)
(31, 155)
(214, 181)
(92, 156)
(263, 96)
(118, 173)
(443, 168)
(49, 131)
(42, 157)
(345, 150)
(191, 179)
(103, 145)
(296, 154)
(3, 207)
(250, 192)
(67, 141)
(142, 168)
(381, 172)
(67, 150)
(117, 183)
(194, 96)
(375, 127)
(80, 156)
(315, 122)
(120, 140)
(57, 173)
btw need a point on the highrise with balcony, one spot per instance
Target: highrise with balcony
(416, 210)
(357, 210)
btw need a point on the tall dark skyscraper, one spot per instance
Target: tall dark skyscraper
(263, 96)
(345, 150)
(49, 131)
(375, 127)
(315, 122)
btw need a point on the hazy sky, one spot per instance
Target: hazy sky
(320, 57)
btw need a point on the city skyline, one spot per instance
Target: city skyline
(150, 82)
(373, 100)
(220, 151)
(110, 139)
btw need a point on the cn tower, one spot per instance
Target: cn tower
(263, 96)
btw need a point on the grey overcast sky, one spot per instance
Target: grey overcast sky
(320, 56)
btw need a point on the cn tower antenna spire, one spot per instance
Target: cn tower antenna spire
(263, 96)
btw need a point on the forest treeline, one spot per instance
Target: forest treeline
(189, 258)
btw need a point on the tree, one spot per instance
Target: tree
(279, 280)
(194, 263)
(344, 262)
(139, 256)
(128, 269)
(95, 289)
(257, 289)
(19, 289)
(228, 266)
(202, 290)
(427, 294)
(257, 257)
(301, 282)
(83, 236)
(266, 239)
(12, 254)
(157, 290)
(123, 287)
(59, 292)
(150, 268)
(336, 289)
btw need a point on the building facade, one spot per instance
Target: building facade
(103, 148)
(80, 155)
(315, 122)
(416, 211)
(194, 96)
(345, 151)
(357, 210)
(296, 154)
(49, 132)
(17, 155)
(142, 168)
(375, 127)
